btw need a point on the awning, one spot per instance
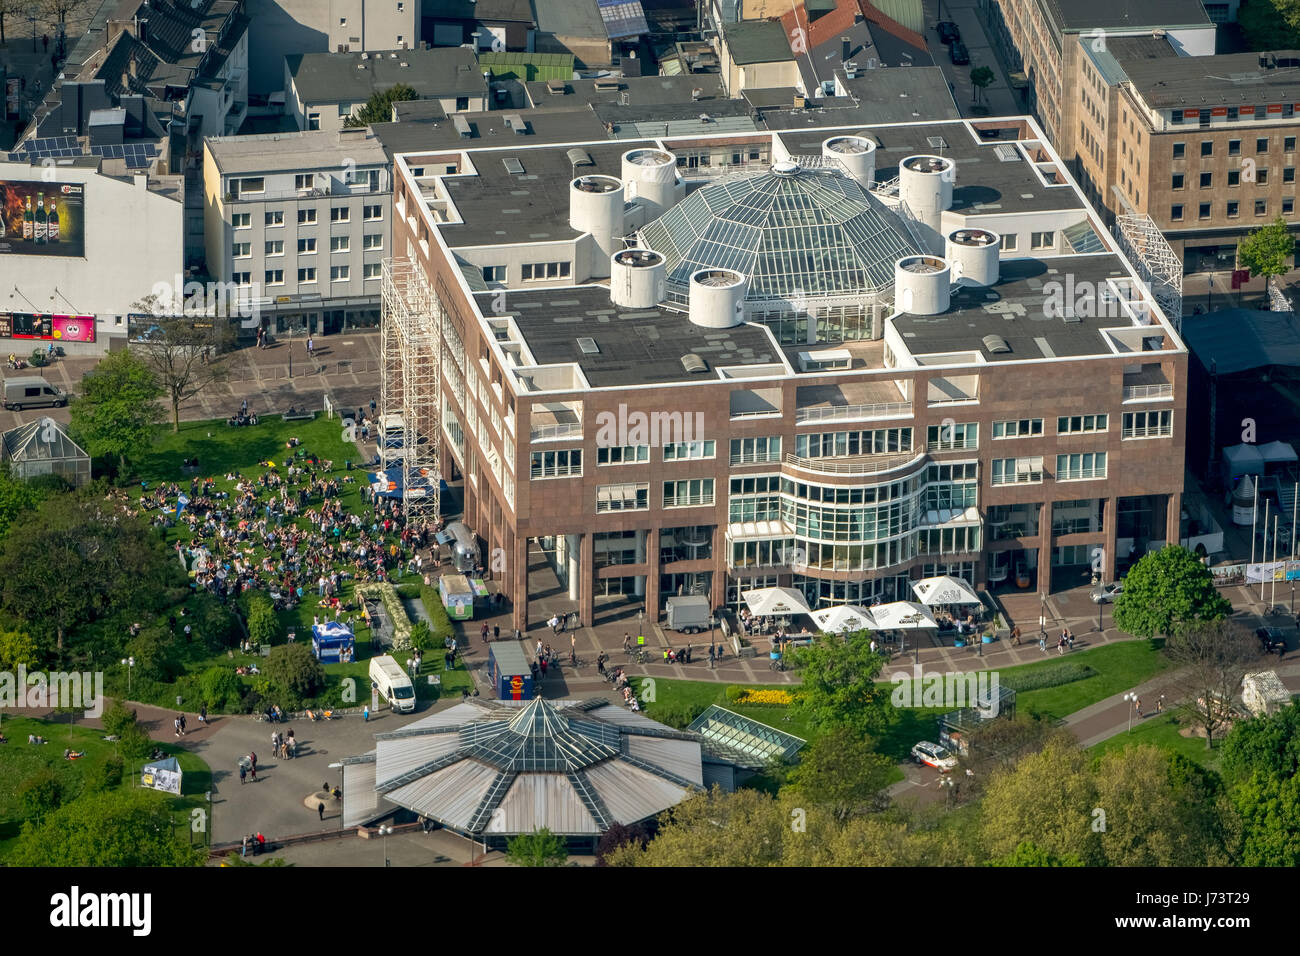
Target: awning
(757, 530)
(765, 602)
(951, 518)
(843, 617)
(945, 590)
(901, 615)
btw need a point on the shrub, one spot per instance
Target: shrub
(263, 627)
(220, 688)
(106, 774)
(1066, 672)
(135, 744)
(442, 626)
(40, 794)
(735, 692)
(154, 650)
(409, 591)
(117, 719)
(294, 674)
(421, 636)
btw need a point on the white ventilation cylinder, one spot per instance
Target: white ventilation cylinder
(925, 184)
(921, 285)
(650, 177)
(974, 255)
(596, 206)
(856, 154)
(637, 278)
(717, 298)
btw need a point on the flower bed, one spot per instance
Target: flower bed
(750, 696)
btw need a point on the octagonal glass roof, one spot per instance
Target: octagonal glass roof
(795, 232)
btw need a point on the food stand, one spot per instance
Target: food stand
(458, 593)
(509, 671)
(330, 640)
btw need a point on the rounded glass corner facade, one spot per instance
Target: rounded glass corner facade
(795, 232)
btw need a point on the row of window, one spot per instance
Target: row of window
(567, 463)
(1029, 471)
(1233, 209)
(636, 496)
(307, 275)
(877, 441)
(1262, 144)
(307, 217)
(1258, 176)
(307, 246)
(540, 271)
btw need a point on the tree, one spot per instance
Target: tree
(263, 626)
(996, 746)
(618, 836)
(60, 9)
(1270, 24)
(118, 408)
(1027, 853)
(542, 848)
(1269, 808)
(220, 688)
(117, 719)
(1266, 251)
(379, 108)
(1165, 591)
(294, 673)
(839, 684)
(17, 497)
(842, 772)
(1270, 745)
(981, 77)
(17, 650)
(112, 829)
(1210, 661)
(1048, 800)
(186, 352)
(40, 795)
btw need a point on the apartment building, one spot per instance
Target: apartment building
(1042, 40)
(304, 219)
(839, 360)
(1206, 146)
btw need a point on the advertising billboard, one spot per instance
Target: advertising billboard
(57, 328)
(42, 219)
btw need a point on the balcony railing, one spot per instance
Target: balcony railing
(754, 458)
(852, 413)
(555, 432)
(1149, 393)
(688, 501)
(857, 465)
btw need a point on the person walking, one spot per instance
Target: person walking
(713, 656)
(243, 847)
(203, 713)
(243, 772)
(311, 347)
(1015, 635)
(365, 713)
(320, 810)
(496, 632)
(275, 743)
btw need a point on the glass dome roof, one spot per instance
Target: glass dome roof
(795, 232)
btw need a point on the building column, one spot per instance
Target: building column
(718, 581)
(1173, 519)
(1045, 548)
(1109, 532)
(587, 575)
(572, 544)
(639, 587)
(517, 575)
(652, 575)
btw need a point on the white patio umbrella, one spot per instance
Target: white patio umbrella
(945, 590)
(843, 617)
(765, 602)
(902, 615)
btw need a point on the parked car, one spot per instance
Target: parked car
(948, 32)
(958, 53)
(1272, 639)
(932, 755)
(1106, 593)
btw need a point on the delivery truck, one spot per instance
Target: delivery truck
(393, 683)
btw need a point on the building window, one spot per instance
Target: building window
(1288, 174)
(462, 102)
(1288, 144)
(622, 455)
(340, 244)
(1261, 177)
(690, 493)
(542, 271)
(491, 273)
(275, 247)
(274, 277)
(1234, 209)
(1177, 182)
(1234, 146)
(565, 463)
(340, 273)
(307, 275)
(373, 213)
(304, 181)
(962, 436)
(1008, 243)
(1176, 212)
(1203, 211)
(242, 220)
(242, 278)
(313, 121)
(1042, 240)
(1021, 428)
(628, 497)
(1288, 206)
(1206, 179)
(340, 214)
(1234, 177)
(372, 270)
(241, 250)
(1261, 144)
(1261, 207)
(1017, 471)
(689, 450)
(306, 245)
(1180, 150)
(747, 451)
(1082, 424)
(1207, 147)
(1081, 467)
(880, 441)
(273, 219)
(255, 184)
(306, 217)
(372, 240)
(1148, 424)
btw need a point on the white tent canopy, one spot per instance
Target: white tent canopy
(765, 602)
(902, 615)
(945, 590)
(843, 617)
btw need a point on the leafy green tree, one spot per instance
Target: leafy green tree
(1269, 808)
(40, 795)
(839, 684)
(745, 828)
(541, 848)
(842, 772)
(421, 636)
(17, 649)
(294, 673)
(105, 774)
(1209, 661)
(118, 408)
(379, 108)
(112, 829)
(117, 718)
(1027, 853)
(263, 626)
(1268, 744)
(981, 77)
(1165, 591)
(136, 745)
(155, 653)
(1267, 251)
(220, 688)
(17, 497)
(1270, 24)
(1048, 800)
(618, 836)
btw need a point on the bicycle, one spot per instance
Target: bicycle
(638, 655)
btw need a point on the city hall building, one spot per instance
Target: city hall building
(834, 359)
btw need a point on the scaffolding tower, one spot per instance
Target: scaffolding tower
(410, 386)
(1157, 263)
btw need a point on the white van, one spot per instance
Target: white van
(394, 684)
(32, 391)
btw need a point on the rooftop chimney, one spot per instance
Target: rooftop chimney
(844, 48)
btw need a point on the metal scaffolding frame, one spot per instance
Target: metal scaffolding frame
(410, 385)
(1157, 263)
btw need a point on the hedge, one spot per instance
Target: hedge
(440, 623)
(1066, 672)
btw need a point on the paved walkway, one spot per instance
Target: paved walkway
(999, 97)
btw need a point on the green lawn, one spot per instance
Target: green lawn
(20, 760)
(1162, 731)
(1119, 667)
(222, 450)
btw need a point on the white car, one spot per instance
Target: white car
(932, 755)
(1106, 593)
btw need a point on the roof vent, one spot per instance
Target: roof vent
(1007, 153)
(557, 87)
(996, 344)
(694, 364)
(588, 346)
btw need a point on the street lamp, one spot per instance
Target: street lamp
(33, 14)
(1133, 698)
(385, 831)
(129, 664)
